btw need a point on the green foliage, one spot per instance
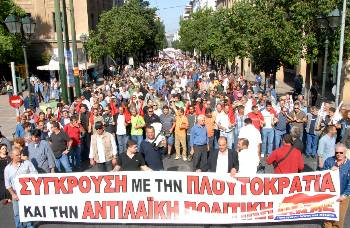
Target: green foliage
(271, 32)
(10, 45)
(127, 31)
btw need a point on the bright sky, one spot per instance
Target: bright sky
(170, 12)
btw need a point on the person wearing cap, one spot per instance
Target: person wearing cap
(103, 149)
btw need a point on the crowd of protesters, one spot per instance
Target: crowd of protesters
(178, 109)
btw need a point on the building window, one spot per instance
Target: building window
(54, 21)
(92, 17)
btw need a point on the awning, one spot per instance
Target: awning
(54, 65)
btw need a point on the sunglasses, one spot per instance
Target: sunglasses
(339, 152)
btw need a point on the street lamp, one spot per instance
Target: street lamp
(84, 39)
(327, 23)
(26, 27)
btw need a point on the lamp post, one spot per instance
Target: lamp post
(327, 23)
(341, 49)
(26, 27)
(84, 39)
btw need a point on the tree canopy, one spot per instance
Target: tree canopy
(271, 32)
(10, 45)
(127, 30)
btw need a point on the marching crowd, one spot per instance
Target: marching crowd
(216, 120)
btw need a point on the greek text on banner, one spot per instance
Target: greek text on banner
(178, 197)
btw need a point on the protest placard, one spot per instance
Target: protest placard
(178, 197)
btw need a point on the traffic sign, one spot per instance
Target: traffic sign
(16, 101)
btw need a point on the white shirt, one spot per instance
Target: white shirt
(268, 118)
(87, 103)
(121, 129)
(248, 106)
(222, 162)
(253, 135)
(248, 162)
(223, 120)
(158, 112)
(101, 148)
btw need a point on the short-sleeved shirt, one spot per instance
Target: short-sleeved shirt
(137, 120)
(73, 133)
(131, 164)
(181, 125)
(59, 143)
(167, 122)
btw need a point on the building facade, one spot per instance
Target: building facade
(43, 42)
(204, 4)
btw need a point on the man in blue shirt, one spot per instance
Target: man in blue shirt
(281, 127)
(341, 163)
(19, 132)
(199, 143)
(151, 152)
(326, 145)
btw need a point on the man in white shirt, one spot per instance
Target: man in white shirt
(248, 161)
(268, 131)
(103, 149)
(253, 135)
(222, 161)
(225, 126)
(86, 102)
(122, 137)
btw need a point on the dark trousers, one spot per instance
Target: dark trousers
(104, 167)
(200, 156)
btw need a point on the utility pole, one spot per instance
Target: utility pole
(341, 50)
(68, 53)
(62, 71)
(74, 48)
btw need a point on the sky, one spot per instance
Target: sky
(170, 12)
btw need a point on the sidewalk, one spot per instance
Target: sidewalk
(7, 117)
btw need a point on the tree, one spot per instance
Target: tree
(10, 45)
(271, 32)
(128, 30)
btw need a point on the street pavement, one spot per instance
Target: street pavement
(7, 121)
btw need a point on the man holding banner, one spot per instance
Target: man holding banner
(341, 163)
(12, 170)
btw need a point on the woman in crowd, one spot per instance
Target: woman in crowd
(4, 160)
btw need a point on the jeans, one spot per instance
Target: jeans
(278, 137)
(75, 156)
(229, 137)
(267, 135)
(18, 223)
(47, 97)
(138, 139)
(311, 144)
(64, 161)
(122, 141)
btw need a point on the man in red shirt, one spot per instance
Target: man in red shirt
(291, 163)
(74, 129)
(256, 117)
